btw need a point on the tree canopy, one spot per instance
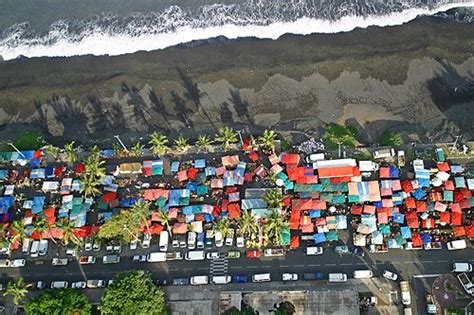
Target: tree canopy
(390, 138)
(335, 134)
(59, 302)
(133, 292)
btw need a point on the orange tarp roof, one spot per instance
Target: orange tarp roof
(343, 171)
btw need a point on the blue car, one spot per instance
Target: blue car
(240, 279)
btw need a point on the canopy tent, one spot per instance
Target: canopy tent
(319, 238)
(376, 238)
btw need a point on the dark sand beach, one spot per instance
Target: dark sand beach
(417, 78)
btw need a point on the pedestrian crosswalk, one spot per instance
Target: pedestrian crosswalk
(219, 267)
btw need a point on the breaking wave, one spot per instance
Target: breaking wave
(108, 34)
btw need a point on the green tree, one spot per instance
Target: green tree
(140, 212)
(226, 136)
(248, 224)
(275, 225)
(67, 227)
(137, 149)
(90, 185)
(29, 140)
(165, 220)
(52, 150)
(133, 292)
(335, 134)
(273, 198)
(390, 138)
(159, 143)
(181, 144)
(71, 152)
(19, 231)
(223, 226)
(203, 142)
(17, 290)
(267, 140)
(42, 226)
(59, 302)
(122, 226)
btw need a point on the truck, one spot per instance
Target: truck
(430, 304)
(433, 245)
(174, 256)
(376, 249)
(384, 153)
(401, 158)
(440, 157)
(406, 295)
(466, 283)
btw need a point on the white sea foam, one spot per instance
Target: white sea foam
(103, 43)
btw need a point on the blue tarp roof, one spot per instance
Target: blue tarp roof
(406, 232)
(319, 238)
(426, 238)
(398, 217)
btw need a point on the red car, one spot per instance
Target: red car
(254, 253)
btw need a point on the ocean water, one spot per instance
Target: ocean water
(35, 28)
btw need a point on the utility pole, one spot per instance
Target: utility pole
(16, 149)
(121, 143)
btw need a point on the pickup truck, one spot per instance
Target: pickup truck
(406, 295)
(273, 252)
(59, 261)
(433, 245)
(466, 283)
(174, 256)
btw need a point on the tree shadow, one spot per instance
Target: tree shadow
(241, 107)
(226, 114)
(181, 111)
(159, 106)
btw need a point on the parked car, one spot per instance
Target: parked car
(71, 251)
(88, 244)
(175, 242)
(118, 248)
(240, 279)
(240, 241)
(162, 282)
(214, 255)
(357, 251)
(233, 254)
(40, 285)
(209, 237)
(86, 260)
(43, 247)
(254, 253)
(59, 285)
(93, 284)
(182, 241)
(313, 276)
(174, 256)
(146, 240)
(109, 247)
(180, 281)
(96, 246)
(341, 249)
(111, 259)
(78, 285)
(289, 277)
(219, 239)
(315, 250)
(390, 275)
(133, 245)
(139, 258)
(229, 239)
(18, 263)
(60, 261)
(192, 240)
(274, 252)
(200, 240)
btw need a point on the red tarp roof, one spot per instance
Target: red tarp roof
(290, 158)
(343, 171)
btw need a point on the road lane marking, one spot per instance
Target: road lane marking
(329, 264)
(443, 261)
(427, 276)
(298, 266)
(345, 264)
(314, 265)
(252, 267)
(360, 263)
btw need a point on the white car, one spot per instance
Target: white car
(240, 241)
(139, 258)
(133, 245)
(146, 240)
(88, 245)
(214, 255)
(18, 263)
(86, 260)
(390, 275)
(219, 239)
(289, 277)
(78, 285)
(71, 251)
(59, 262)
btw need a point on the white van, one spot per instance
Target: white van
(25, 248)
(156, 257)
(59, 285)
(457, 244)
(363, 274)
(219, 239)
(164, 237)
(337, 277)
(195, 255)
(261, 277)
(43, 247)
(462, 267)
(221, 279)
(199, 280)
(34, 249)
(191, 240)
(311, 251)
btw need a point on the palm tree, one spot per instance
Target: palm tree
(248, 224)
(227, 136)
(273, 198)
(89, 185)
(137, 149)
(203, 141)
(42, 226)
(165, 219)
(274, 226)
(181, 144)
(118, 150)
(159, 143)
(267, 140)
(94, 152)
(67, 228)
(52, 150)
(71, 154)
(17, 289)
(223, 226)
(94, 167)
(140, 212)
(19, 231)
(272, 177)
